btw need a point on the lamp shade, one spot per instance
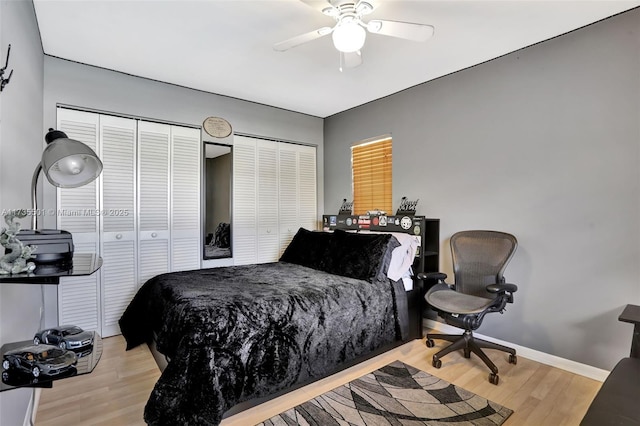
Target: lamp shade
(68, 163)
(348, 36)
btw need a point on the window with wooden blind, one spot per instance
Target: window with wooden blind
(371, 174)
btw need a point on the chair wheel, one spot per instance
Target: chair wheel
(436, 363)
(430, 343)
(494, 379)
(513, 359)
(467, 353)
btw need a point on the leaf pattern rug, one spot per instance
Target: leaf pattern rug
(396, 394)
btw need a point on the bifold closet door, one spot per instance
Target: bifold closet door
(297, 191)
(307, 187)
(186, 152)
(153, 199)
(267, 202)
(244, 229)
(274, 193)
(118, 221)
(79, 297)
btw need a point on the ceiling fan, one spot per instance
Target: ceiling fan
(349, 33)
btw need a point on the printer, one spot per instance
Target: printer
(55, 246)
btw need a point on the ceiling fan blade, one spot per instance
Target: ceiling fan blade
(302, 38)
(405, 30)
(350, 60)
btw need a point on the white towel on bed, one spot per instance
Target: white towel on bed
(402, 257)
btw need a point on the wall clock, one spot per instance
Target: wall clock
(217, 127)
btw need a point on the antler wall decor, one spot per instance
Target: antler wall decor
(5, 81)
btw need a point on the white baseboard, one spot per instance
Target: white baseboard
(532, 354)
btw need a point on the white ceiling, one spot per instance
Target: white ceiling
(225, 47)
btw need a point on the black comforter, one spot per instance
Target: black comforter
(243, 332)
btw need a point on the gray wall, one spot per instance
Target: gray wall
(21, 144)
(542, 143)
(84, 86)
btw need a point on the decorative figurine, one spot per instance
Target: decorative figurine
(16, 254)
(346, 207)
(407, 207)
(69, 337)
(38, 360)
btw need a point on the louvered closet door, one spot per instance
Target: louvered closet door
(153, 199)
(119, 238)
(244, 232)
(288, 189)
(268, 229)
(307, 187)
(186, 151)
(297, 185)
(79, 297)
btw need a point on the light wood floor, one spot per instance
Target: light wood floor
(116, 392)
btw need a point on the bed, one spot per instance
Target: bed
(242, 333)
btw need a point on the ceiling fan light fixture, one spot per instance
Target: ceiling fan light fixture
(349, 36)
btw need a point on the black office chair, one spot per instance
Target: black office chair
(479, 259)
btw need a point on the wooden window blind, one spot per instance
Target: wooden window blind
(371, 168)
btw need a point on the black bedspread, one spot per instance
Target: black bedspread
(242, 332)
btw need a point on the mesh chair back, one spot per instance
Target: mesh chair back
(479, 259)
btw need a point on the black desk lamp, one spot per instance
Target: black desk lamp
(67, 163)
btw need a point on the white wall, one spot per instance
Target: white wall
(21, 144)
(542, 143)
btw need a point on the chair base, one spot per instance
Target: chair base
(468, 343)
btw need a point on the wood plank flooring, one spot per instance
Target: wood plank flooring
(116, 392)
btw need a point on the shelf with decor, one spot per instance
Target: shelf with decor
(81, 264)
(77, 365)
(24, 376)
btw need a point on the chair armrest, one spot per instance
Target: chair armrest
(502, 288)
(440, 276)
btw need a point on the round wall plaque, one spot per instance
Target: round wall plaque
(217, 127)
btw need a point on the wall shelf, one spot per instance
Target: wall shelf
(81, 264)
(85, 365)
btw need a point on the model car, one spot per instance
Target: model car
(39, 360)
(66, 337)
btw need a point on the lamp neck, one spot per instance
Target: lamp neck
(34, 196)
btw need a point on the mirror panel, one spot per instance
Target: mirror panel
(217, 214)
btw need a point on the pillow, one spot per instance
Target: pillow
(308, 248)
(361, 256)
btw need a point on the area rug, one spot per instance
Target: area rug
(396, 394)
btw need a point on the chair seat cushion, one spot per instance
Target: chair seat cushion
(443, 298)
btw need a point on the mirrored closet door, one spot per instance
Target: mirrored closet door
(217, 208)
